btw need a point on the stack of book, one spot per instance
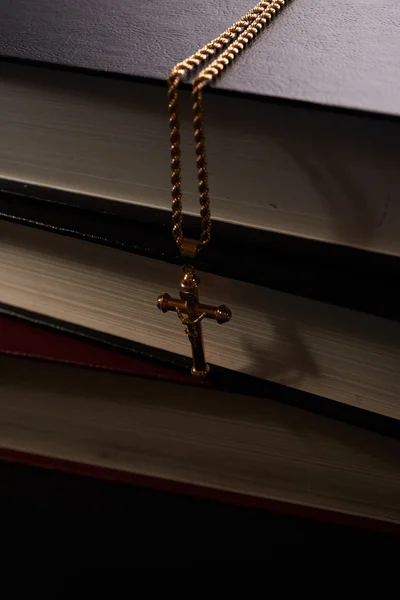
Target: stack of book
(301, 408)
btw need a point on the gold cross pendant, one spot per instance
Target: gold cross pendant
(191, 312)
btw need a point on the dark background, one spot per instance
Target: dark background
(75, 520)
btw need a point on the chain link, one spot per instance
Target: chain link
(229, 44)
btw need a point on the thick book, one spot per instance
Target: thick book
(240, 448)
(302, 132)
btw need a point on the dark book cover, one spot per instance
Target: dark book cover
(338, 55)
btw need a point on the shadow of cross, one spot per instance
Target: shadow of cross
(191, 312)
(285, 358)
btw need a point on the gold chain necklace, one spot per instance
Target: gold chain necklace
(227, 46)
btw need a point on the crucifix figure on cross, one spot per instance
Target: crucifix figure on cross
(191, 312)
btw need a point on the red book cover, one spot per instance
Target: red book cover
(19, 338)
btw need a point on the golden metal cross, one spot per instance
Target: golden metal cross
(191, 312)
